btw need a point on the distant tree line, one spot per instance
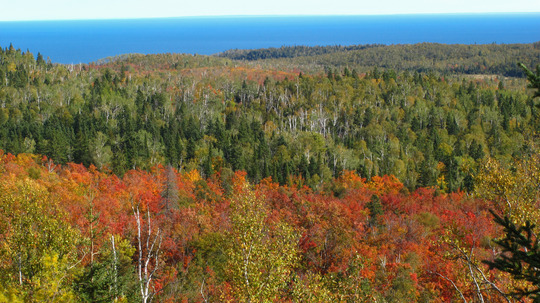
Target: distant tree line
(290, 51)
(497, 59)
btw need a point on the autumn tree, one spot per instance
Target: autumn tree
(512, 187)
(38, 248)
(261, 254)
(517, 188)
(149, 238)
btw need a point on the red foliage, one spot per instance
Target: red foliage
(333, 231)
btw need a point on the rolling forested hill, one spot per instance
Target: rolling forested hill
(499, 59)
(299, 174)
(211, 113)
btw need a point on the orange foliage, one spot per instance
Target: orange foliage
(387, 184)
(335, 228)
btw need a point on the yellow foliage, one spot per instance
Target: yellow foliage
(513, 188)
(12, 67)
(441, 183)
(10, 295)
(52, 284)
(33, 235)
(193, 175)
(311, 288)
(261, 255)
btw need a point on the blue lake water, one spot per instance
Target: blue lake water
(89, 40)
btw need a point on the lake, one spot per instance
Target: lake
(83, 41)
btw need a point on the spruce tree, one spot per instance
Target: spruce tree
(520, 256)
(534, 78)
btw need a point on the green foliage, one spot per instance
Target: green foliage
(534, 78)
(262, 243)
(111, 278)
(428, 114)
(205, 113)
(403, 287)
(520, 255)
(423, 57)
(375, 210)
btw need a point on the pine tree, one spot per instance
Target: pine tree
(375, 210)
(520, 256)
(534, 78)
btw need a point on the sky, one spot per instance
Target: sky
(20, 10)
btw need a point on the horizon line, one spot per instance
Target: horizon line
(275, 16)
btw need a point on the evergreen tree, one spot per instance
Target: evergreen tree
(375, 210)
(534, 78)
(520, 255)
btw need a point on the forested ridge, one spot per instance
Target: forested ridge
(206, 113)
(444, 59)
(240, 178)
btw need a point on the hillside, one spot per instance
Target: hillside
(208, 113)
(78, 234)
(208, 179)
(496, 59)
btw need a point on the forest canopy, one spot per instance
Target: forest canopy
(499, 59)
(211, 113)
(299, 174)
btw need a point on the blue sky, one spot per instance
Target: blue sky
(14, 10)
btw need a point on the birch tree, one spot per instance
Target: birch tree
(261, 256)
(149, 248)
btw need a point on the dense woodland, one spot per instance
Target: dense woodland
(325, 174)
(498, 59)
(208, 113)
